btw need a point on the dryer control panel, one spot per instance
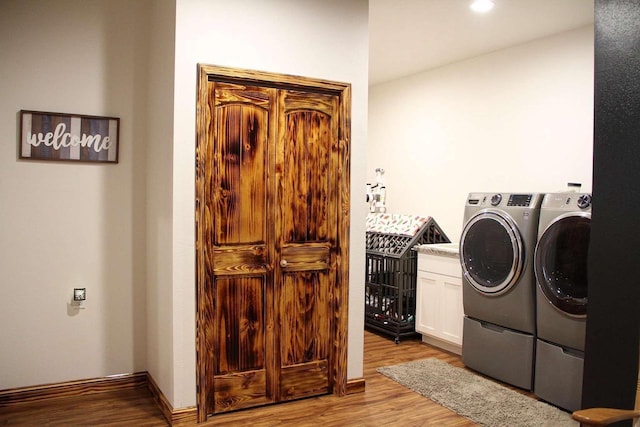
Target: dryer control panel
(584, 201)
(567, 201)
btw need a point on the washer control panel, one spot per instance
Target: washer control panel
(519, 200)
(497, 199)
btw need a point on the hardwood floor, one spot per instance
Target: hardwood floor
(384, 402)
(120, 408)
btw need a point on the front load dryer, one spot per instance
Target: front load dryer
(498, 292)
(560, 265)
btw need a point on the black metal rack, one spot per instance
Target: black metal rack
(390, 274)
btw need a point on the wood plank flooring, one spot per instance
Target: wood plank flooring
(384, 402)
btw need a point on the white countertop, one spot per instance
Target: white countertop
(444, 249)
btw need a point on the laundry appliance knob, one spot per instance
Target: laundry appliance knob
(584, 201)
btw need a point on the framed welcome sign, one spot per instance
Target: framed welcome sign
(72, 137)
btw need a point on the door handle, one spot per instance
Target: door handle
(283, 263)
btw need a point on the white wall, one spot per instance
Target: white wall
(326, 39)
(160, 195)
(126, 231)
(66, 225)
(515, 120)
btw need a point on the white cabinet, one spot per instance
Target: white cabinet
(439, 311)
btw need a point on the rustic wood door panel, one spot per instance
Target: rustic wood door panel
(239, 378)
(308, 147)
(239, 333)
(238, 321)
(239, 156)
(272, 223)
(305, 344)
(306, 231)
(305, 318)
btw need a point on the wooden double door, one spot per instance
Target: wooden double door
(272, 238)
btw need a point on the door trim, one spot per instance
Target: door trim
(207, 73)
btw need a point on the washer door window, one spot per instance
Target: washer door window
(491, 252)
(561, 262)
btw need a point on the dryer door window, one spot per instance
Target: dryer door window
(561, 263)
(491, 252)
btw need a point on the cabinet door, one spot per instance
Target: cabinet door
(452, 313)
(428, 304)
(439, 306)
(306, 233)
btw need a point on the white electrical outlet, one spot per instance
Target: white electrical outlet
(79, 294)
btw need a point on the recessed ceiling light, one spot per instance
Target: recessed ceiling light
(482, 6)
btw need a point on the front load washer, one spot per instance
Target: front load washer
(498, 292)
(560, 265)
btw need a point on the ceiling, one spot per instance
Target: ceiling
(410, 36)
